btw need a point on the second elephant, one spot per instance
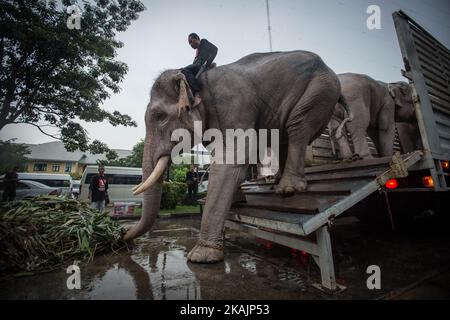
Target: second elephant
(376, 107)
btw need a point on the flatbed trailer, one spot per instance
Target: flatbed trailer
(303, 221)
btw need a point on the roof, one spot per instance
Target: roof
(55, 151)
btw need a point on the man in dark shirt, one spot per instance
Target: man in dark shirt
(206, 53)
(98, 190)
(10, 185)
(192, 183)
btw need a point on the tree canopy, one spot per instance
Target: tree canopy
(133, 160)
(12, 154)
(55, 76)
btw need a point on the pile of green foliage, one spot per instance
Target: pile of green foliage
(173, 194)
(45, 232)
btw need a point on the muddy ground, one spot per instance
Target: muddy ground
(415, 264)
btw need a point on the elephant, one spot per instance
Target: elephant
(294, 92)
(376, 107)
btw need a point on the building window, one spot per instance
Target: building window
(40, 167)
(55, 167)
(68, 168)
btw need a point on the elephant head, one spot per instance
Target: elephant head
(169, 109)
(405, 117)
(401, 93)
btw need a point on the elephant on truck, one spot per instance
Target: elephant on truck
(376, 107)
(294, 92)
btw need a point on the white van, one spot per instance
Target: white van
(120, 182)
(55, 180)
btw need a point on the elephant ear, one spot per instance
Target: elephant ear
(400, 92)
(395, 94)
(185, 94)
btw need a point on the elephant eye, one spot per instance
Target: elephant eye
(159, 116)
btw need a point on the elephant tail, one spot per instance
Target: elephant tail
(348, 116)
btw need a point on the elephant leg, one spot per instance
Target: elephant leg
(358, 134)
(293, 177)
(386, 131)
(283, 152)
(306, 121)
(223, 187)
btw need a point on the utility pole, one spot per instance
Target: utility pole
(269, 28)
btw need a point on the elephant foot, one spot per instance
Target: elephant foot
(205, 252)
(288, 186)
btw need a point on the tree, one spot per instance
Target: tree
(133, 160)
(12, 154)
(53, 75)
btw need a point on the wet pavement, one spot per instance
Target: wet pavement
(415, 264)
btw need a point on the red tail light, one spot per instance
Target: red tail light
(428, 182)
(445, 165)
(391, 184)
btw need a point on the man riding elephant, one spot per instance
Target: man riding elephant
(294, 92)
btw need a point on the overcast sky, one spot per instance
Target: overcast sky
(334, 29)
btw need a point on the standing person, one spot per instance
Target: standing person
(192, 183)
(206, 53)
(98, 190)
(10, 185)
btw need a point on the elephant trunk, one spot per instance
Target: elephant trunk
(151, 186)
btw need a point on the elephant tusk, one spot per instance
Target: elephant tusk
(154, 176)
(136, 187)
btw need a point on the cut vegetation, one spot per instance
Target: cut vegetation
(45, 232)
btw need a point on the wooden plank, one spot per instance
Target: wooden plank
(349, 165)
(432, 78)
(430, 41)
(442, 118)
(314, 187)
(432, 67)
(432, 53)
(298, 203)
(436, 55)
(344, 175)
(278, 216)
(443, 133)
(440, 106)
(321, 152)
(427, 53)
(322, 143)
(439, 95)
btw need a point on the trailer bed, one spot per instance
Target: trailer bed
(302, 221)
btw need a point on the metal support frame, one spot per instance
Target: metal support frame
(320, 250)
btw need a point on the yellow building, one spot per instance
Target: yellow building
(52, 157)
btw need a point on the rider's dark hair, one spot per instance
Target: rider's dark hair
(194, 35)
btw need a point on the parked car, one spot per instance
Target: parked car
(120, 182)
(53, 180)
(28, 189)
